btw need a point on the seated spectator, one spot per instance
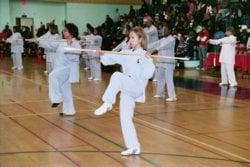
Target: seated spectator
(181, 50)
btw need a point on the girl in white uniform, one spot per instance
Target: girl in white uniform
(50, 54)
(165, 67)
(152, 36)
(227, 57)
(66, 69)
(85, 45)
(95, 43)
(137, 70)
(16, 42)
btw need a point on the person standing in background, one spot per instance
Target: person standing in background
(202, 38)
(16, 42)
(227, 57)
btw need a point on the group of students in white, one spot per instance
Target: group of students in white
(63, 69)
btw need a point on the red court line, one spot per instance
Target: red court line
(72, 134)
(41, 139)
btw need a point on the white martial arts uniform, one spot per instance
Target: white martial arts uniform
(132, 84)
(227, 59)
(95, 42)
(85, 54)
(124, 45)
(152, 36)
(65, 72)
(16, 42)
(50, 53)
(165, 67)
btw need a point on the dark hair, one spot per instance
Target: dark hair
(17, 29)
(91, 29)
(230, 29)
(89, 26)
(53, 29)
(73, 29)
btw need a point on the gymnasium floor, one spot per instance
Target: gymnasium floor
(207, 126)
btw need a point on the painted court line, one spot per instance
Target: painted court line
(49, 113)
(28, 101)
(194, 140)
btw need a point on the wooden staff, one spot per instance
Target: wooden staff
(53, 40)
(127, 54)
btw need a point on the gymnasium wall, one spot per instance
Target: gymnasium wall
(4, 13)
(78, 13)
(40, 11)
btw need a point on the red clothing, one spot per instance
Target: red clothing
(204, 33)
(7, 33)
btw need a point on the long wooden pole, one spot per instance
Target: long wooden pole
(127, 54)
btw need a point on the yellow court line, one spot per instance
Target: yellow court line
(169, 131)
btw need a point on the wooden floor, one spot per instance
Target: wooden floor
(199, 130)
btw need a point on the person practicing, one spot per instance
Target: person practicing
(16, 42)
(95, 43)
(227, 57)
(152, 35)
(51, 35)
(137, 70)
(165, 67)
(66, 69)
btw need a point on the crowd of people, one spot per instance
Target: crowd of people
(191, 22)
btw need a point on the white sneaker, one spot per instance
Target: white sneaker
(97, 79)
(158, 96)
(131, 151)
(170, 99)
(86, 68)
(105, 107)
(154, 80)
(20, 68)
(90, 78)
(235, 85)
(223, 84)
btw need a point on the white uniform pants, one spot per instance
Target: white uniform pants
(95, 67)
(228, 74)
(165, 76)
(17, 60)
(60, 89)
(86, 61)
(129, 92)
(50, 62)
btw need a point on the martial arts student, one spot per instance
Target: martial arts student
(165, 67)
(66, 69)
(95, 43)
(51, 35)
(16, 42)
(227, 57)
(85, 45)
(137, 70)
(152, 35)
